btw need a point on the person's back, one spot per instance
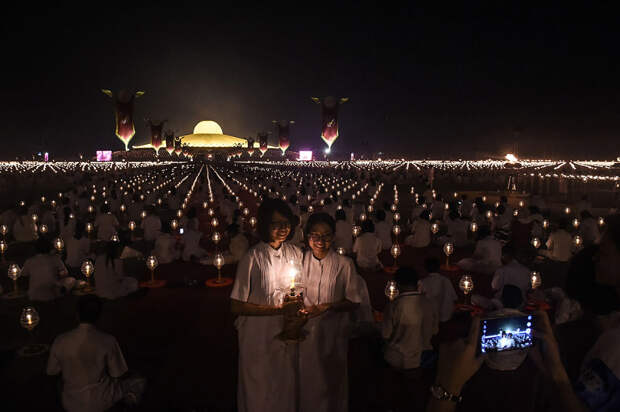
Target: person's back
(90, 361)
(421, 236)
(408, 325)
(560, 245)
(191, 241)
(238, 246)
(44, 271)
(24, 229)
(489, 251)
(165, 248)
(384, 232)
(439, 290)
(367, 247)
(512, 273)
(151, 226)
(589, 231)
(77, 250)
(106, 224)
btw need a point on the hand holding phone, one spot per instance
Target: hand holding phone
(504, 333)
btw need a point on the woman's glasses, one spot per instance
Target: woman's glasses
(317, 237)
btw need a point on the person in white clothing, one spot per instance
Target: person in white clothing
(191, 242)
(77, 247)
(409, 323)
(383, 230)
(511, 273)
(106, 224)
(438, 289)
(332, 291)
(588, 229)
(109, 278)
(267, 364)
(367, 247)
(344, 232)
(238, 244)
(420, 231)
(151, 225)
(559, 244)
(487, 257)
(24, 228)
(166, 249)
(47, 273)
(94, 373)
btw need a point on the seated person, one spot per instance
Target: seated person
(166, 249)
(151, 225)
(93, 369)
(487, 254)
(109, 274)
(559, 244)
(367, 247)
(588, 229)
(383, 230)
(420, 231)
(24, 228)
(191, 242)
(344, 232)
(106, 224)
(47, 273)
(409, 323)
(238, 244)
(438, 289)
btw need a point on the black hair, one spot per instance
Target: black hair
(512, 297)
(192, 213)
(501, 209)
(112, 251)
(317, 218)
(368, 226)
(43, 245)
(105, 208)
(563, 223)
(341, 215)
(265, 213)
(67, 211)
(80, 227)
(426, 215)
(406, 277)
(380, 215)
(232, 230)
(432, 265)
(585, 214)
(89, 308)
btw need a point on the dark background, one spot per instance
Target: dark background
(449, 82)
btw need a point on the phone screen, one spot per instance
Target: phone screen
(181, 231)
(506, 333)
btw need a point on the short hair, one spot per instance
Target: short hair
(317, 218)
(341, 215)
(484, 231)
(105, 208)
(89, 308)
(562, 223)
(585, 214)
(501, 209)
(406, 276)
(380, 215)
(426, 215)
(432, 265)
(265, 213)
(512, 297)
(368, 226)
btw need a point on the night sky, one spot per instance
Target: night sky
(442, 83)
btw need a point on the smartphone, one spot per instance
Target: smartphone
(499, 334)
(181, 231)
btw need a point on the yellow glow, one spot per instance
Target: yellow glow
(511, 158)
(207, 127)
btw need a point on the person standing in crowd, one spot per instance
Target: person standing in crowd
(106, 224)
(47, 273)
(266, 363)
(77, 247)
(420, 231)
(238, 245)
(559, 244)
(24, 228)
(109, 278)
(151, 225)
(332, 289)
(94, 374)
(487, 257)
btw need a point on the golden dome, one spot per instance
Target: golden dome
(208, 127)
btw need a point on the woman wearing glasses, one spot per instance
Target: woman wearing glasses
(266, 364)
(333, 289)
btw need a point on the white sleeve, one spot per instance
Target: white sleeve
(355, 288)
(242, 286)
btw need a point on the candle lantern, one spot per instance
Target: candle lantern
(535, 279)
(521, 203)
(363, 217)
(396, 217)
(180, 213)
(515, 212)
(446, 206)
(473, 227)
(294, 315)
(29, 319)
(210, 212)
(601, 221)
(91, 209)
(578, 241)
(370, 208)
(88, 269)
(341, 251)
(484, 199)
(535, 242)
(576, 223)
(205, 204)
(435, 228)
(448, 250)
(143, 214)
(545, 224)
(253, 222)
(218, 262)
(115, 238)
(489, 214)
(393, 207)
(43, 229)
(90, 227)
(214, 222)
(396, 230)
(246, 211)
(14, 273)
(466, 284)
(59, 244)
(34, 217)
(3, 247)
(123, 208)
(395, 252)
(356, 230)
(391, 290)
(4, 230)
(567, 210)
(215, 237)
(159, 201)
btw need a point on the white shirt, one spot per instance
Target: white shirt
(367, 247)
(421, 236)
(152, 226)
(489, 251)
(408, 325)
(588, 229)
(238, 246)
(440, 291)
(87, 359)
(106, 225)
(191, 241)
(165, 250)
(560, 245)
(44, 271)
(24, 229)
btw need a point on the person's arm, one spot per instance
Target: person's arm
(456, 365)
(547, 357)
